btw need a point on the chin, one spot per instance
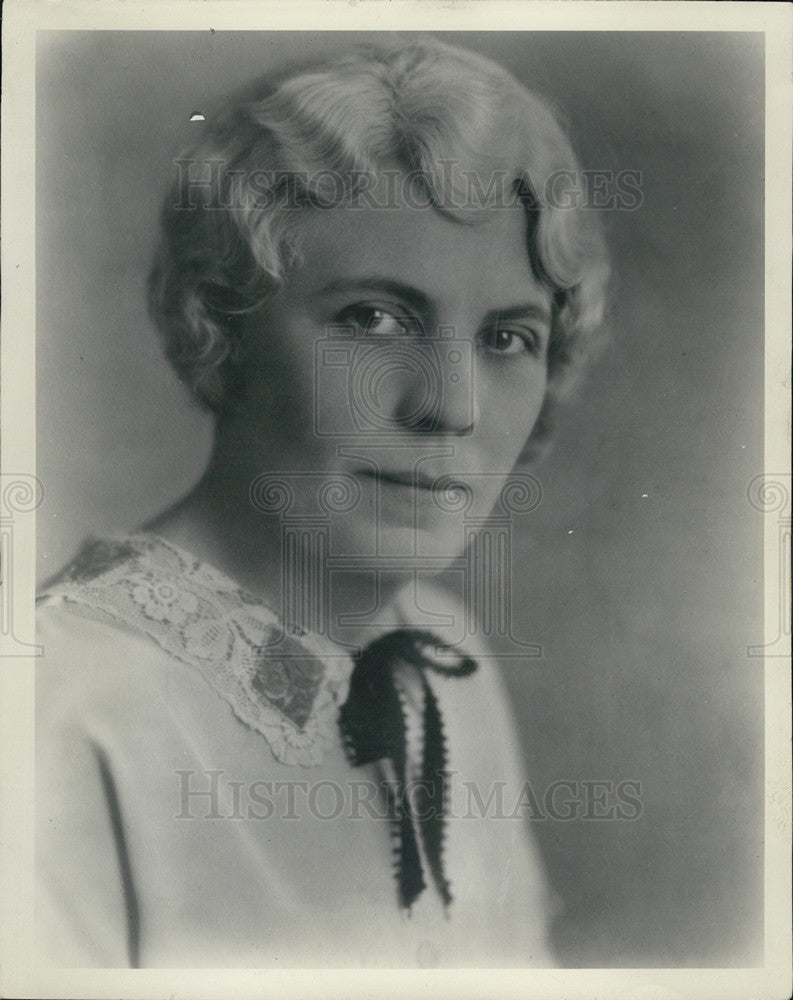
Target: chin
(402, 547)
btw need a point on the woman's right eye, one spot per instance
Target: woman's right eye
(374, 321)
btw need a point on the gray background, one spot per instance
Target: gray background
(644, 605)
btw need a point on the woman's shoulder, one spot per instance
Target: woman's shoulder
(98, 655)
(134, 590)
(139, 629)
(94, 672)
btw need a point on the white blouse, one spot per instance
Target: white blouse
(196, 807)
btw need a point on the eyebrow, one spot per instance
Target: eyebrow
(528, 311)
(421, 301)
(418, 299)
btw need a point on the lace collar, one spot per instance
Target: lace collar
(281, 681)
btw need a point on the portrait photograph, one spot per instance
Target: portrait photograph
(396, 499)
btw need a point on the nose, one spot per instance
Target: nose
(440, 395)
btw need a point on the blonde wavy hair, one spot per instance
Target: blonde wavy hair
(310, 136)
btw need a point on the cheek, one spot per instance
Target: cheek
(510, 407)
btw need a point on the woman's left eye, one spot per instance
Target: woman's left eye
(508, 342)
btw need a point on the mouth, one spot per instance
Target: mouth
(412, 480)
(406, 480)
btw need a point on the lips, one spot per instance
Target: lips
(397, 478)
(402, 479)
(409, 478)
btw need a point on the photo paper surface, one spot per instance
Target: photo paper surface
(394, 438)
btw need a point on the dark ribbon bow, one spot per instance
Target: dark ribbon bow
(373, 724)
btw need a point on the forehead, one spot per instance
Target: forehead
(485, 259)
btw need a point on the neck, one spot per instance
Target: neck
(218, 524)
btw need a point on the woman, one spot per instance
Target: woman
(258, 743)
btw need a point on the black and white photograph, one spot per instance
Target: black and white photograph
(403, 494)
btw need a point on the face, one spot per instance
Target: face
(406, 355)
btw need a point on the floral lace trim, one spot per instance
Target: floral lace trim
(285, 683)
